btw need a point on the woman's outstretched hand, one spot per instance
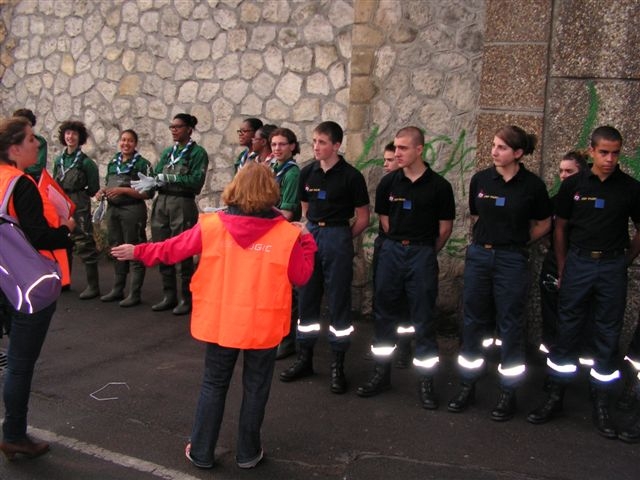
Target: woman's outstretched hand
(123, 252)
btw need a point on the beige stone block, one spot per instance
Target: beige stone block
(249, 12)
(362, 61)
(489, 123)
(595, 38)
(357, 117)
(307, 109)
(362, 89)
(363, 10)
(130, 86)
(340, 13)
(325, 55)
(519, 20)
(68, 66)
(354, 145)
(514, 76)
(366, 36)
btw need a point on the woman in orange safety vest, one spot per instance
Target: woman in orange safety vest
(19, 150)
(250, 247)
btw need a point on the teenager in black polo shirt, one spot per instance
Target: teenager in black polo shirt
(592, 245)
(416, 208)
(511, 209)
(331, 192)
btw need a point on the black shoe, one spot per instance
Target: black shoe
(378, 383)
(182, 308)
(302, 367)
(428, 395)
(505, 407)
(631, 433)
(338, 380)
(286, 348)
(601, 418)
(112, 296)
(465, 397)
(551, 407)
(167, 303)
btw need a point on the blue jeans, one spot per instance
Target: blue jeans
(495, 282)
(25, 342)
(257, 374)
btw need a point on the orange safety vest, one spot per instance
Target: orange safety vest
(242, 297)
(7, 173)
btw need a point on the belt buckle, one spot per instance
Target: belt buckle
(596, 254)
(322, 224)
(404, 243)
(487, 246)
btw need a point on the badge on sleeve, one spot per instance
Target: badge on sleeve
(599, 203)
(500, 201)
(322, 195)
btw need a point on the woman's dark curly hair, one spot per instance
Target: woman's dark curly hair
(76, 126)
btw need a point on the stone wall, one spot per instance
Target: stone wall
(136, 63)
(370, 65)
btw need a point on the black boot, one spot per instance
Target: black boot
(505, 407)
(628, 399)
(169, 289)
(379, 381)
(631, 432)
(465, 397)
(117, 292)
(403, 353)
(551, 407)
(601, 418)
(286, 348)
(137, 279)
(338, 380)
(93, 286)
(428, 395)
(302, 367)
(184, 306)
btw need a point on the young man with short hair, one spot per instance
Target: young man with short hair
(331, 192)
(417, 209)
(593, 250)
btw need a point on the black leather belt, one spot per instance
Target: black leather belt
(492, 246)
(406, 243)
(332, 223)
(599, 254)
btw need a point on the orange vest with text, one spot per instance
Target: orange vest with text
(242, 297)
(7, 173)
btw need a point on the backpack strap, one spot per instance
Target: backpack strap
(4, 208)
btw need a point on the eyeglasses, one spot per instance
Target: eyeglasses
(176, 127)
(241, 131)
(255, 139)
(279, 145)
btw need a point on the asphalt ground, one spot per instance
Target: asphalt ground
(115, 393)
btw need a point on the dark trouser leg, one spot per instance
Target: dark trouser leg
(256, 381)
(27, 336)
(218, 369)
